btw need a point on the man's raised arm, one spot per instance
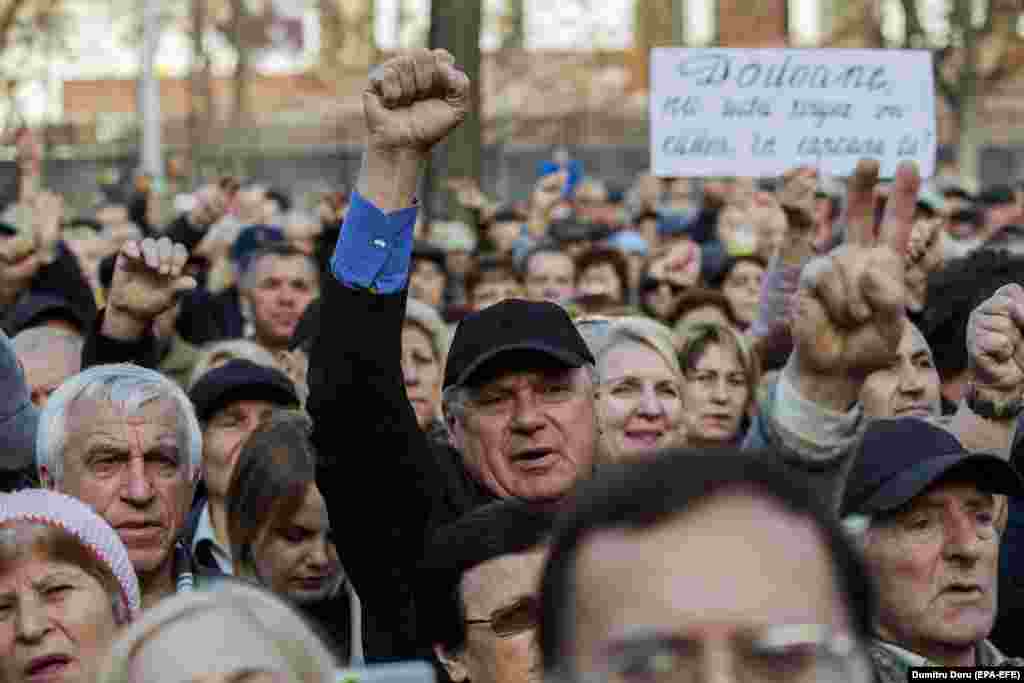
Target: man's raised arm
(377, 473)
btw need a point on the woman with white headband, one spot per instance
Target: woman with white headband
(66, 588)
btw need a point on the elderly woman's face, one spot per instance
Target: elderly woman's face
(715, 394)
(638, 401)
(56, 622)
(296, 557)
(421, 369)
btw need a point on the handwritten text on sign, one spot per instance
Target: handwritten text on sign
(720, 112)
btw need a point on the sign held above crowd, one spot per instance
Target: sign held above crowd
(760, 112)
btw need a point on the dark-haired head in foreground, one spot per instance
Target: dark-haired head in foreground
(688, 564)
(477, 597)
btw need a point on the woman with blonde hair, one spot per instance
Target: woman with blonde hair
(424, 350)
(232, 632)
(720, 378)
(639, 387)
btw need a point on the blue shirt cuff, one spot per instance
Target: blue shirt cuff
(374, 248)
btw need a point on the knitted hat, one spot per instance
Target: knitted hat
(78, 519)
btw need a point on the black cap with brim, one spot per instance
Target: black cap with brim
(532, 353)
(38, 308)
(540, 329)
(990, 473)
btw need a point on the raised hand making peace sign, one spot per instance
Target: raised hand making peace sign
(851, 303)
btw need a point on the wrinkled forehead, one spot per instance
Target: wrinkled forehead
(708, 567)
(88, 414)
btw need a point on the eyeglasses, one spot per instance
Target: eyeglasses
(517, 618)
(650, 284)
(777, 654)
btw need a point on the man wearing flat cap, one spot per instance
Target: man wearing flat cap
(518, 396)
(926, 511)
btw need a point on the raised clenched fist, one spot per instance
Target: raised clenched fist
(995, 345)
(414, 100)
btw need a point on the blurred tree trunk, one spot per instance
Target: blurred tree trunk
(200, 94)
(680, 19)
(513, 26)
(240, 80)
(652, 27)
(455, 26)
(8, 18)
(346, 36)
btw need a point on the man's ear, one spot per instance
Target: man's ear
(46, 478)
(449, 423)
(453, 663)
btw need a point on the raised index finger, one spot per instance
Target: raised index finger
(898, 221)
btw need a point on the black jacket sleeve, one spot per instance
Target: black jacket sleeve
(377, 472)
(64, 277)
(100, 350)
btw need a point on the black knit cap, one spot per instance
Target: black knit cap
(241, 380)
(538, 327)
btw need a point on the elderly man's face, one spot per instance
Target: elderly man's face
(281, 289)
(935, 563)
(910, 386)
(134, 471)
(491, 591)
(721, 588)
(225, 434)
(45, 370)
(529, 434)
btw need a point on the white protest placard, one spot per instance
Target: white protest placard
(760, 112)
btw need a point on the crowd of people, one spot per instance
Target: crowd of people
(734, 429)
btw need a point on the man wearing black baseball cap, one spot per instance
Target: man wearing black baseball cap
(231, 402)
(926, 510)
(518, 396)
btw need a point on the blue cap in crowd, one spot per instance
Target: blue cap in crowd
(251, 239)
(629, 242)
